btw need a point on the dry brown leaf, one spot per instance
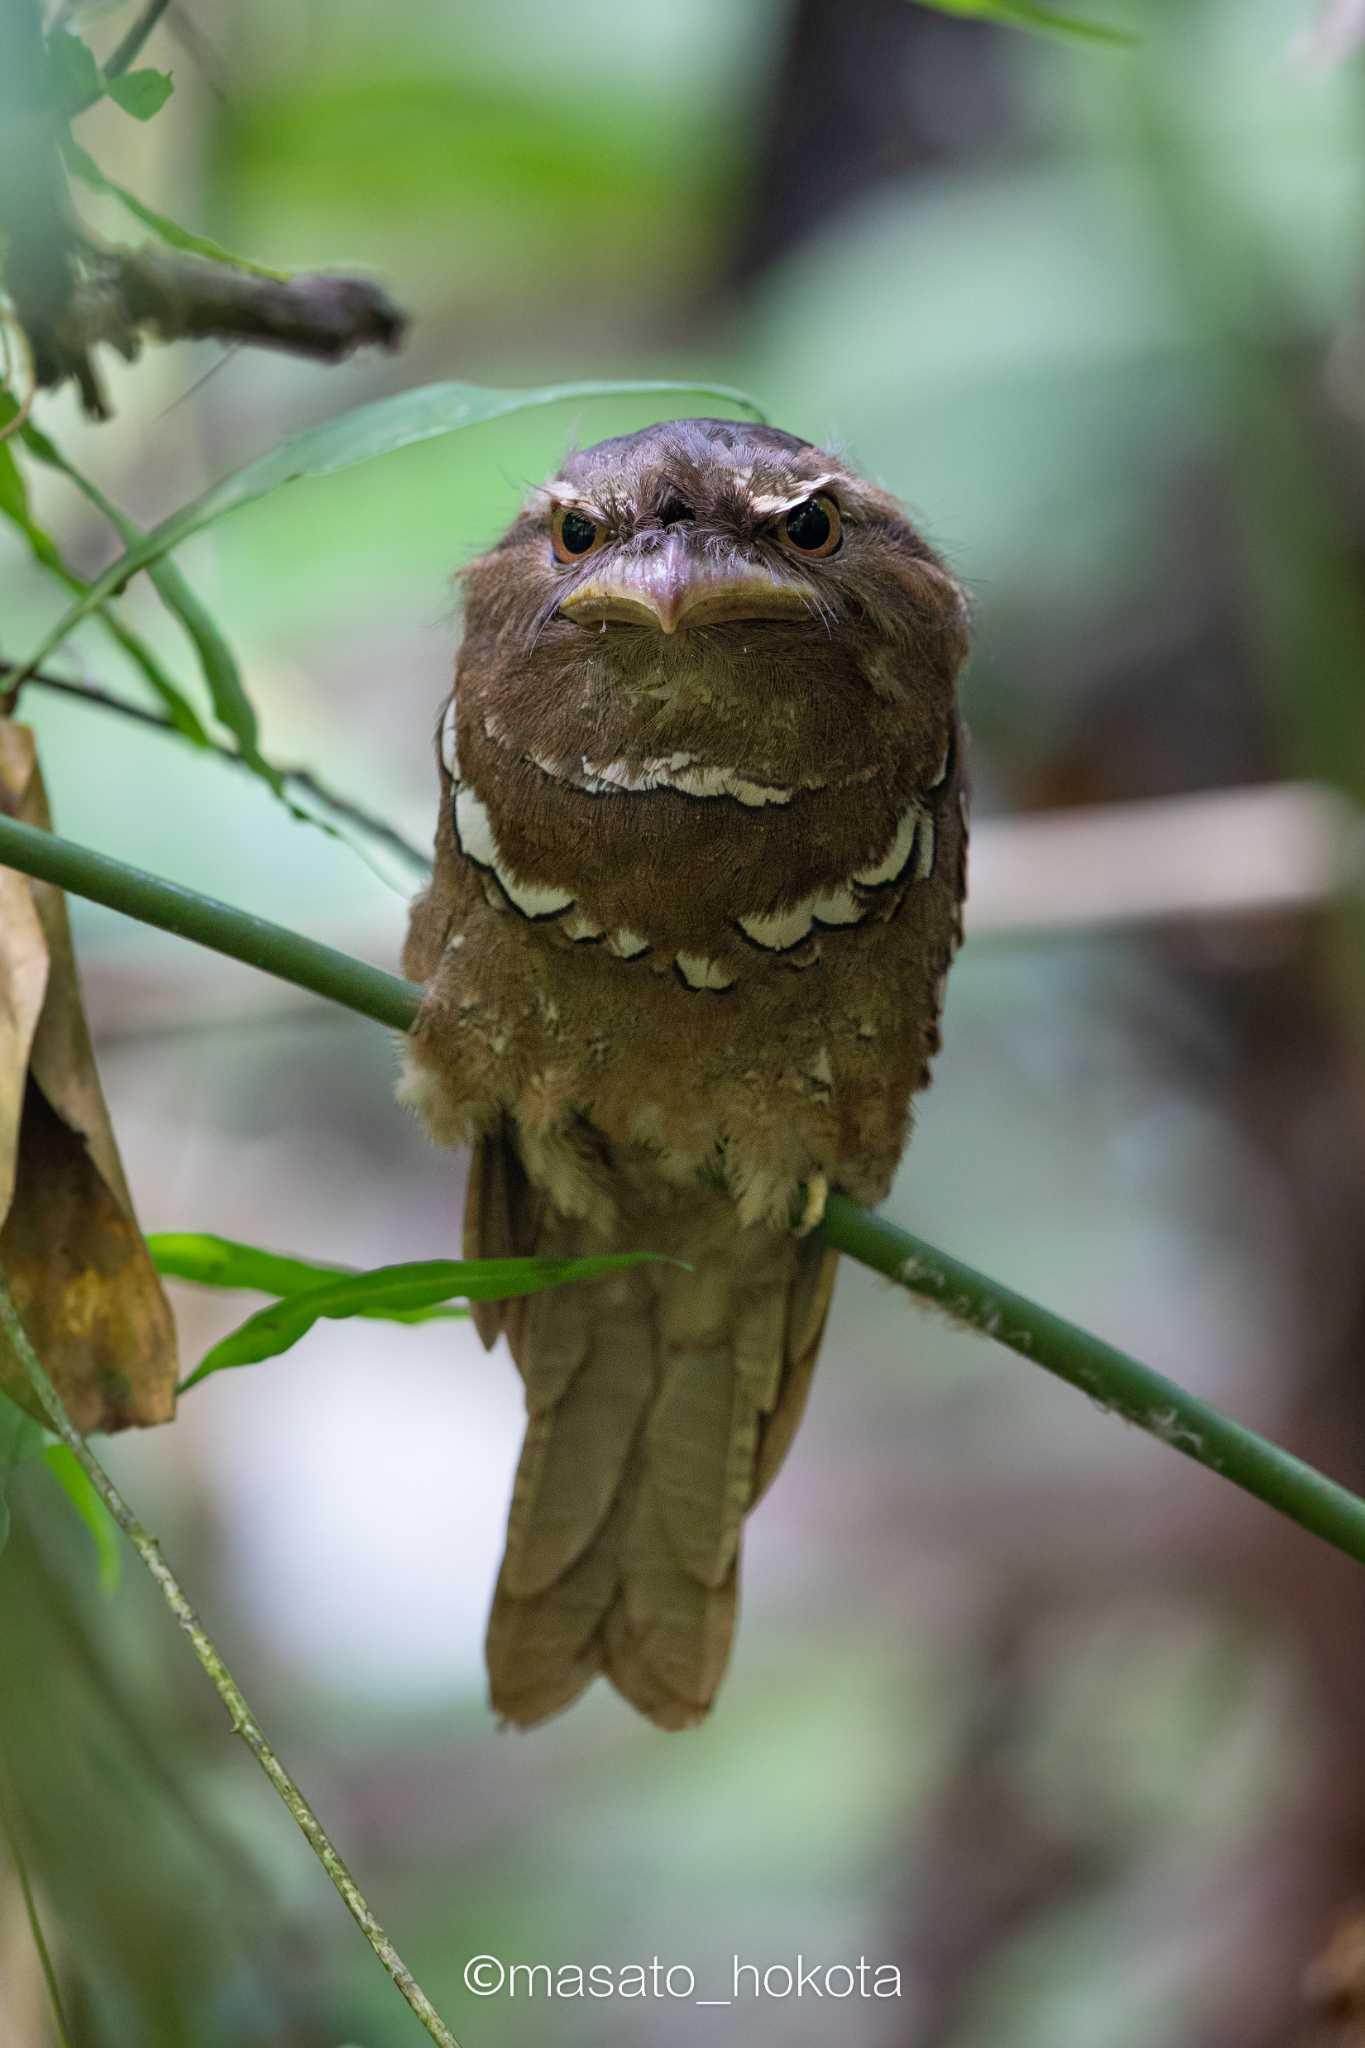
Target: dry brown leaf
(81, 1275)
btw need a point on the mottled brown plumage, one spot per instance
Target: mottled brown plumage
(699, 875)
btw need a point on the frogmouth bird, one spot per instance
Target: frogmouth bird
(698, 879)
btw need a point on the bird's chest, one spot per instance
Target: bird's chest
(712, 873)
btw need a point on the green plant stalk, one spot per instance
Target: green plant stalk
(11, 1837)
(243, 1721)
(286, 954)
(1109, 1376)
(1120, 1384)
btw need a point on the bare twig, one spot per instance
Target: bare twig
(130, 49)
(187, 298)
(302, 778)
(71, 294)
(243, 1721)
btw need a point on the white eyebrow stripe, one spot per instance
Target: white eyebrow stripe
(559, 491)
(769, 503)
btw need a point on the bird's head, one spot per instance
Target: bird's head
(713, 587)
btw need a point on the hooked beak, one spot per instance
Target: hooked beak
(676, 586)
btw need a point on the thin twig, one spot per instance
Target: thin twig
(243, 1721)
(9, 1830)
(130, 49)
(1109, 1376)
(302, 778)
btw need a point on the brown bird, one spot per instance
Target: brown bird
(699, 876)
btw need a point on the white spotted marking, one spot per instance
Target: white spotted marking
(699, 972)
(819, 1071)
(838, 906)
(474, 828)
(677, 771)
(626, 944)
(785, 928)
(534, 899)
(888, 868)
(780, 930)
(581, 929)
(937, 782)
(450, 755)
(478, 842)
(924, 858)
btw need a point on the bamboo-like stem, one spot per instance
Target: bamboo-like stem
(1120, 1384)
(243, 1720)
(1109, 1376)
(254, 940)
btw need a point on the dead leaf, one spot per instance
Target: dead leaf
(70, 1247)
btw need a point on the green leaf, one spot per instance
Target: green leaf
(230, 701)
(1045, 20)
(140, 93)
(422, 1285)
(14, 506)
(77, 81)
(83, 166)
(21, 1438)
(216, 659)
(211, 1261)
(354, 437)
(74, 1481)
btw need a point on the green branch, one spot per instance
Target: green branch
(244, 1722)
(1109, 1376)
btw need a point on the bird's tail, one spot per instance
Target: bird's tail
(660, 1404)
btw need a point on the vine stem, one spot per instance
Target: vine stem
(1109, 1376)
(244, 1722)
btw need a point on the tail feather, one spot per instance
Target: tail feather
(659, 1406)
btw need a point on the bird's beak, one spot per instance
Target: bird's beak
(678, 586)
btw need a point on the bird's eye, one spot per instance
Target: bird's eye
(573, 534)
(814, 527)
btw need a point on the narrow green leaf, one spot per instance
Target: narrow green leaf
(354, 437)
(14, 506)
(83, 166)
(211, 1261)
(21, 1438)
(226, 690)
(217, 662)
(140, 93)
(1044, 20)
(421, 1285)
(71, 1476)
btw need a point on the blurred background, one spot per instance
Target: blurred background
(1022, 1703)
